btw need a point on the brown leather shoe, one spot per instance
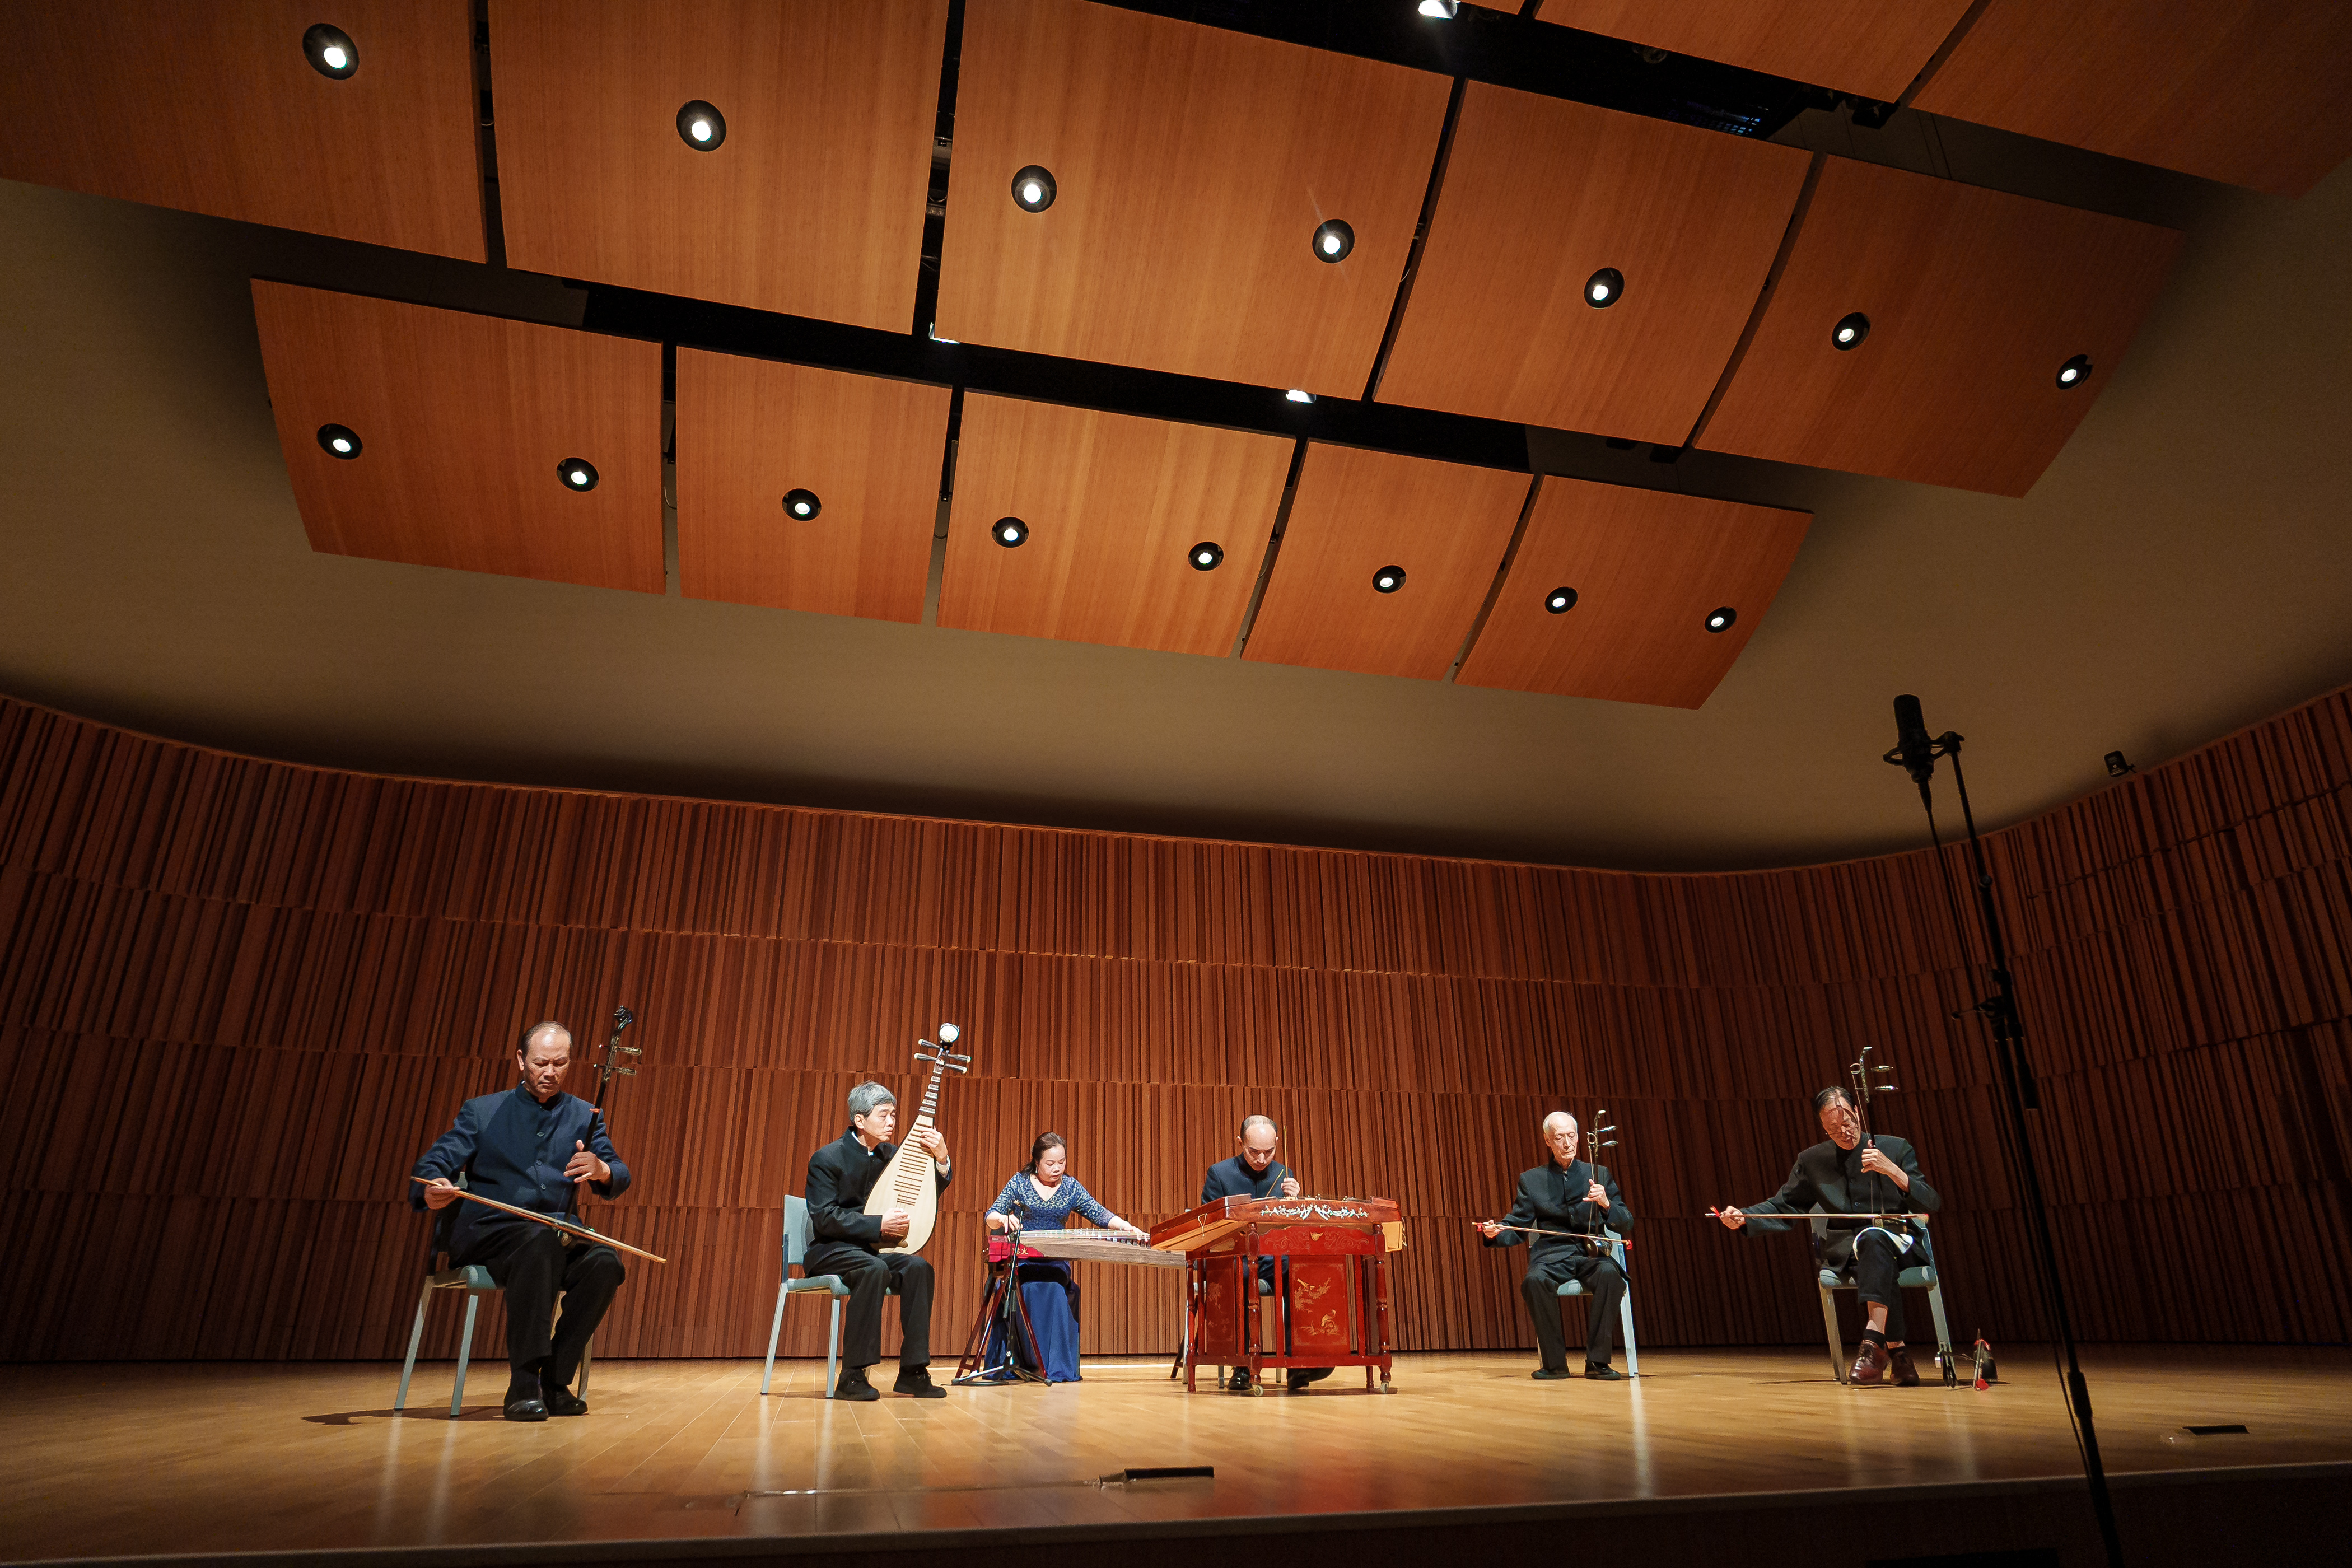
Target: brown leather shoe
(1899, 1358)
(1869, 1367)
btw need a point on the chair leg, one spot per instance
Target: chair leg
(465, 1354)
(584, 1358)
(832, 1351)
(1837, 1344)
(408, 1367)
(1625, 1325)
(775, 1328)
(1943, 1333)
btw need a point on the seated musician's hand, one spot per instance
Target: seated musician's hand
(1289, 1186)
(1873, 1159)
(1732, 1217)
(1490, 1230)
(894, 1223)
(440, 1194)
(585, 1167)
(998, 1221)
(931, 1143)
(1594, 1193)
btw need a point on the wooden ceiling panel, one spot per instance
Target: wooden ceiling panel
(1649, 568)
(1446, 524)
(1975, 298)
(811, 204)
(463, 422)
(2249, 91)
(1867, 47)
(752, 432)
(1540, 194)
(1114, 506)
(215, 109)
(1192, 166)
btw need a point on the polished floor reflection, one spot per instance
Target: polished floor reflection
(99, 1460)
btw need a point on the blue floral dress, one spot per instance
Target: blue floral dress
(1047, 1291)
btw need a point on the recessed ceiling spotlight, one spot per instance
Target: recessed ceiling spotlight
(330, 51)
(1033, 189)
(700, 125)
(1388, 579)
(339, 441)
(1560, 600)
(577, 474)
(1850, 330)
(1600, 290)
(1206, 554)
(803, 504)
(2075, 371)
(1444, 10)
(1296, 395)
(1720, 620)
(1009, 531)
(1333, 240)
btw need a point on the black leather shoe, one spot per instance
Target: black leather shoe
(526, 1410)
(1300, 1376)
(1551, 1373)
(1898, 1362)
(852, 1385)
(1240, 1382)
(916, 1381)
(1604, 1372)
(561, 1402)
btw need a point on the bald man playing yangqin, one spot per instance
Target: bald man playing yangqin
(1566, 1195)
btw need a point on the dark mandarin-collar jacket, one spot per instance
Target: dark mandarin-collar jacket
(1552, 1198)
(514, 1148)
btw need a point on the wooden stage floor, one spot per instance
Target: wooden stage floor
(189, 1458)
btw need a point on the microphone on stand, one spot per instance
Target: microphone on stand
(1914, 753)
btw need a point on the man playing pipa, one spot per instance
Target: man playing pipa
(863, 1249)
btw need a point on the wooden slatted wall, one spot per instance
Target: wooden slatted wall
(237, 998)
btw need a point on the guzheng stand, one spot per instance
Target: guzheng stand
(1331, 1275)
(1004, 1309)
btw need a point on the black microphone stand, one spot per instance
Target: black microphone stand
(2020, 1094)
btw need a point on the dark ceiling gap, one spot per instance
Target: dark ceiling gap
(1763, 296)
(1044, 378)
(486, 141)
(1420, 235)
(935, 211)
(1273, 547)
(1502, 572)
(937, 574)
(1943, 52)
(1511, 50)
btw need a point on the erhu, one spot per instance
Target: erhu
(607, 1070)
(1863, 1074)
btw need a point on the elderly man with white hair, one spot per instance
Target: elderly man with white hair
(1562, 1195)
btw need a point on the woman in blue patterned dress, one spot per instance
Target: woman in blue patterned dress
(1048, 1195)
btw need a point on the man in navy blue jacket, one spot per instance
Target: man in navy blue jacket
(1255, 1172)
(528, 1147)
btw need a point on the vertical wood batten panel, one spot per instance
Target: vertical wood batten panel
(237, 998)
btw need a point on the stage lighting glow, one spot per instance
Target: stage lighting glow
(1602, 290)
(1560, 600)
(803, 504)
(1333, 240)
(700, 125)
(1388, 579)
(1721, 619)
(577, 474)
(339, 441)
(1009, 531)
(1034, 189)
(1850, 330)
(330, 51)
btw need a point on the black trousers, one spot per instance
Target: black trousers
(868, 1274)
(1604, 1285)
(534, 1266)
(1875, 1268)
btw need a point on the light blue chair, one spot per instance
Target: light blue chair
(476, 1282)
(1833, 1280)
(796, 1246)
(1616, 1245)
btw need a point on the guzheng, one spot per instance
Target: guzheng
(1322, 1294)
(1084, 1245)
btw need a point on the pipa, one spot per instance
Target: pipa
(910, 1181)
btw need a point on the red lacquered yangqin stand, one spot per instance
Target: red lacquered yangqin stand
(1333, 1279)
